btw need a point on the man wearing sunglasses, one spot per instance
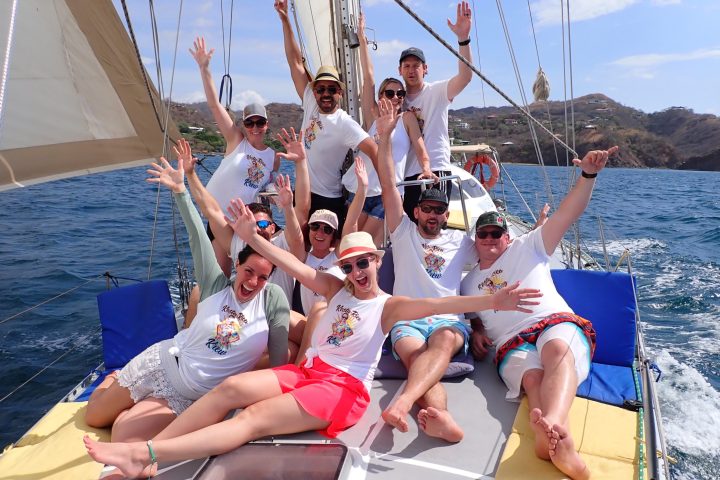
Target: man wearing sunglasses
(328, 131)
(429, 262)
(545, 353)
(430, 102)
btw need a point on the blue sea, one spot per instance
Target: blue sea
(59, 235)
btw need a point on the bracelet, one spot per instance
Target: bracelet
(588, 175)
(464, 42)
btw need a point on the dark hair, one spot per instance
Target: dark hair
(260, 208)
(384, 83)
(245, 254)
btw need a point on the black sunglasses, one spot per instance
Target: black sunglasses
(390, 93)
(330, 90)
(362, 264)
(315, 226)
(263, 224)
(439, 210)
(482, 234)
(260, 122)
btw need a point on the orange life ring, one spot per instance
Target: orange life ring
(475, 165)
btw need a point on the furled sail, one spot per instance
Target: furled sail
(73, 97)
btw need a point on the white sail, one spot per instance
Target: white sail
(74, 100)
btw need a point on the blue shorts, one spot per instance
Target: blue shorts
(373, 206)
(424, 327)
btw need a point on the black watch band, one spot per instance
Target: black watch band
(588, 175)
(464, 42)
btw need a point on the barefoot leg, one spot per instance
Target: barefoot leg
(564, 456)
(531, 382)
(440, 424)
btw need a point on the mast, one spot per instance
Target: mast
(347, 13)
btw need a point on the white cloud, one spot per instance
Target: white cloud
(391, 48)
(245, 97)
(191, 97)
(654, 59)
(147, 61)
(666, 2)
(203, 22)
(547, 12)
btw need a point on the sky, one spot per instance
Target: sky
(645, 54)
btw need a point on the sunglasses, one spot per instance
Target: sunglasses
(315, 226)
(439, 210)
(330, 90)
(390, 93)
(263, 224)
(483, 234)
(260, 122)
(361, 264)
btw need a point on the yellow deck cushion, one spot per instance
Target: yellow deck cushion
(456, 220)
(53, 448)
(606, 437)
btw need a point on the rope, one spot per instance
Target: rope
(226, 56)
(50, 299)
(37, 374)
(483, 77)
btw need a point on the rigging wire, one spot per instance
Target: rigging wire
(477, 54)
(226, 88)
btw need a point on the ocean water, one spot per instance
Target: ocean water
(59, 235)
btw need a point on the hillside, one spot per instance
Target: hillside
(674, 138)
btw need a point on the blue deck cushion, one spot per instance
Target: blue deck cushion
(133, 318)
(607, 300)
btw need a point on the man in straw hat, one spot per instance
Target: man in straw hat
(329, 132)
(428, 263)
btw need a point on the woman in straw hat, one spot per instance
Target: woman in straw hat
(329, 393)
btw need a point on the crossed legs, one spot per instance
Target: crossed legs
(426, 363)
(550, 393)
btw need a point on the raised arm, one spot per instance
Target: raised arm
(418, 144)
(392, 202)
(292, 50)
(461, 28)
(508, 298)
(243, 223)
(295, 152)
(356, 206)
(232, 135)
(367, 96)
(293, 232)
(575, 203)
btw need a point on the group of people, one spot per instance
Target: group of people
(244, 348)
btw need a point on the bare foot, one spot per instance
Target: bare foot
(542, 429)
(564, 456)
(396, 415)
(439, 423)
(130, 458)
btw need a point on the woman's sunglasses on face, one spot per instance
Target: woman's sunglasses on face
(361, 264)
(260, 122)
(263, 224)
(439, 210)
(483, 234)
(315, 226)
(390, 93)
(330, 90)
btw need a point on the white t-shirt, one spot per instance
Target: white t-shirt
(242, 173)
(400, 142)
(525, 260)
(279, 277)
(349, 335)
(429, 268)
(327, 264)
(431, 109)
(327, 139)
(227, 337)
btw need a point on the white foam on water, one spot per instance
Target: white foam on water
(690, 407)
(636, 246)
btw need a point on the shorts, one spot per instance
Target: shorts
(145, 377)
(325, 392)
(373, 206)
(527, 357)
(424, 327)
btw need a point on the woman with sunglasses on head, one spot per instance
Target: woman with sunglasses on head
(237, 321)
(249, 164)
(330, 392)
(406, 136)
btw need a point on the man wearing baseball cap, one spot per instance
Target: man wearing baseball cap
(430, 102)
(328, 131)
(429, 262)
(545, 353)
